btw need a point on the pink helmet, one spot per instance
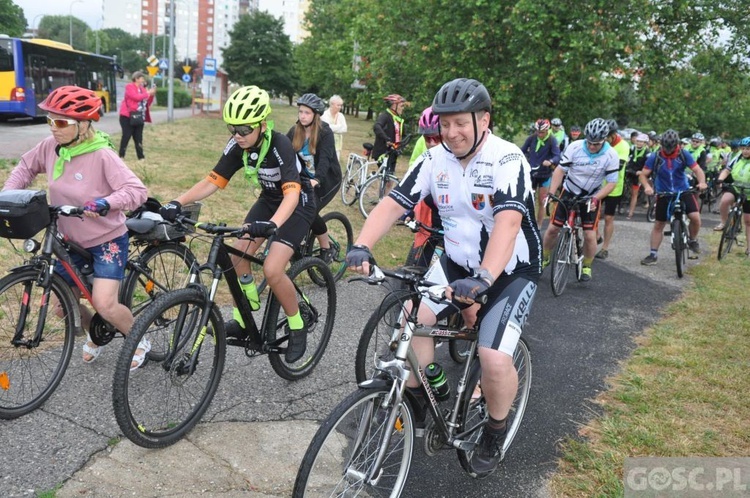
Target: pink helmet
(428, 123)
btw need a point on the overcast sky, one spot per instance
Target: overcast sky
(89, 11)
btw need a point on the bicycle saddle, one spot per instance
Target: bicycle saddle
(143, 224)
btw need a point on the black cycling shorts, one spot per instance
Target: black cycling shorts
(292, 231)
(689, 203)
(611, 203)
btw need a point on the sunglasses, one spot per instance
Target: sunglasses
(60, 123)
(241, 130)
(594, 144)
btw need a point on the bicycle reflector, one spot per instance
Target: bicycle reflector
(4, 381)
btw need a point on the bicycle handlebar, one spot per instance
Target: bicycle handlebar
(214, 228)
(416, 225)
(575, 200)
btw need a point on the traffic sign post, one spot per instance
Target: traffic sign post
(163, 64)
(209, 69)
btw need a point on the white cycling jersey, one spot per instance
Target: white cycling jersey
(585, 171)
(497, 178)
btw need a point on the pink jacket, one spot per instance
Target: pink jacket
(134, 95)
(98, 174)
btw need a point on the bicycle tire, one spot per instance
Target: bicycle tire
(29, 376)
(560, 262)
(346, 445)
(579, 254)
(350, 181)
(475, 411)
(373, 191)
(160, 402)
(381, 329)
(679, 249)
(318, 308)
(166, 267)
(341, 237)
(651, 211)
(729, 234)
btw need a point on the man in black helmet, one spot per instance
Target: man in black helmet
(481, 185)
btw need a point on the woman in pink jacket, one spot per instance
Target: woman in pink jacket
(137, 98)
(83, 169)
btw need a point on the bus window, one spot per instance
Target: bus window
(6, 55)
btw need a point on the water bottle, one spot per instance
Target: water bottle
(438, 381)
(248, 287)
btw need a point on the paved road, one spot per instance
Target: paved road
(259, 425)
(20, 135)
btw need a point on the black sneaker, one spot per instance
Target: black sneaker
(236, 335)
(296, 345)
(488, 453)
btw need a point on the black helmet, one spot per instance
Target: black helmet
(313, 102)
(612, 125)
(670, 139)
(462, 95)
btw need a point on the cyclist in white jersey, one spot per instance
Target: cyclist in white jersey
(481, 186)
(583, 167)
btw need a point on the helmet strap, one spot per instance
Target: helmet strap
(78, 135)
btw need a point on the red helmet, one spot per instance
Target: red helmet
(74, 102)
(393, 98)
(541, 125)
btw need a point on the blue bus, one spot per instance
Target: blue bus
(31, 68)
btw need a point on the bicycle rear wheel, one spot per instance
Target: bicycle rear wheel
(317, 304)
(345, 447)
(729, 234)
(30, 374)
(380, 331)
(679, 246)
(341, 236)
(160, 402)
(350, 181)
(374, 190)
(159, 269)
(560, 261)
(475, 412)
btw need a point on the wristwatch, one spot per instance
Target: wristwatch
(485, 275)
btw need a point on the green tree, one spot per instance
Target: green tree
(260, 53)
(58, 28)
(12, 20)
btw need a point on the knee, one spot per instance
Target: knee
(103, 303)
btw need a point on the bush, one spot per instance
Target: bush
(181, 97)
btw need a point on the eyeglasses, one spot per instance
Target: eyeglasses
(60, 123)
(241, 130)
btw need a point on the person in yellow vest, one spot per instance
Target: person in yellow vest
(612, 201)
(638, 154)
(736, 174)
(697, 149)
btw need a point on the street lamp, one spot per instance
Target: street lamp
(70, 18)
(33, 23)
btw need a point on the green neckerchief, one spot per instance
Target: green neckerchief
(637, 153)
(540, 141)
(251, 172)
(400, 122)
(100, 141)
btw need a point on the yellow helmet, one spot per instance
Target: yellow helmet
(247, 105)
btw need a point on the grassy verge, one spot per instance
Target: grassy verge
(682, 393)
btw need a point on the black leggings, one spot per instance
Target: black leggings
(318, 226)
(128, 131)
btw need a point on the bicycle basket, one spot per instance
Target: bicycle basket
(162, 231)
(23, 213)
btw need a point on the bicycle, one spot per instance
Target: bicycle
(365, 446)
(356, 174)
(36, 340)
(168, 396)
(568, 251)
(678, 230)
(733, 226)
(341, 237)
(458, 349)
(713, 193)
(379, 184)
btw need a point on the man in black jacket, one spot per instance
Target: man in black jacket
(389, 128)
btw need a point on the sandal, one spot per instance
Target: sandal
(719, 227)
(477, 392)
(93, 351)
(138, 358)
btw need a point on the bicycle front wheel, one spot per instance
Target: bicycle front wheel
(374, 190)
(474, 412)
(381, 330)
(159, 269)
(680, 247)
(651, 212)
(350, 181)
(344, 450)
(729, 234)
(160, 402)
(29, 373)
(317, 305)
(560, 262)
(341, 237)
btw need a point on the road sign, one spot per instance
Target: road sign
(186, 69)
(152, 60)
(209, 67)
(186, 78)
(163, 64)
(152, 70)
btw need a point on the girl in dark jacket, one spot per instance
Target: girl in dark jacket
(313, 140)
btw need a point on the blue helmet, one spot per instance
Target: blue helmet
(745, 142)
